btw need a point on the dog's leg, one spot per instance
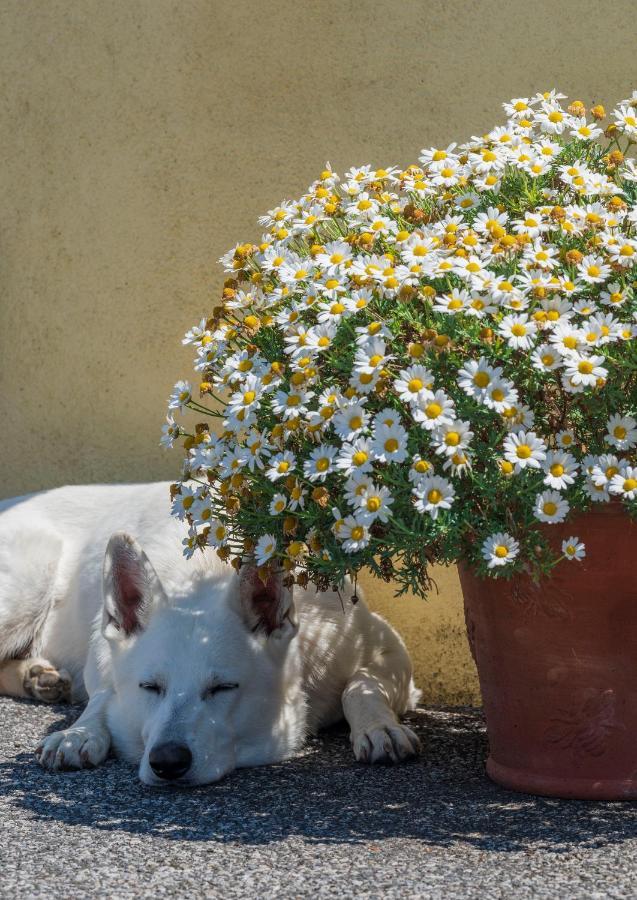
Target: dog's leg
(373, 697)
(82, 746)
(37, 679)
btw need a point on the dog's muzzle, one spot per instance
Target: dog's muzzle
(170, 761)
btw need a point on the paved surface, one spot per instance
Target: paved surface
(318, 826)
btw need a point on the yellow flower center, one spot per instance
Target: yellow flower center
(549, 508)
(433, 410)
(481, 379)
(322, 464)
(375, 360)
(557, 469)
(452, 439)
(359, 458)
(391, 445)
(501, 551)
(357, 532)
(523, 451)
(373, 504)
(248, 397)
(619, 432)
(434, 496)
(585, 366)
(283, 466)
(593, 271)
(630, 484)
(415, 385)
(518, 329)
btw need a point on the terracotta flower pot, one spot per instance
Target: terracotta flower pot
(558, 666)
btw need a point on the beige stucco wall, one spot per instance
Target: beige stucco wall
(142, 138)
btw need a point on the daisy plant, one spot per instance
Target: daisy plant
(427, 364)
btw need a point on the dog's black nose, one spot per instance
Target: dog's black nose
(170, 760)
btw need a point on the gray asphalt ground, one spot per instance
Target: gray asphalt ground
(320, 825)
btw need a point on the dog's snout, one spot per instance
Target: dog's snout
(170, 760)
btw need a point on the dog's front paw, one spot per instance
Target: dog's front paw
(42, 681)
(76, 748)
(390, 743)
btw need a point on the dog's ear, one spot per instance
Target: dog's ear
(267, 608)
(131, 588)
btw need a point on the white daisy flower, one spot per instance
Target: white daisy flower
(374, 503)
(291, 404)
(525, 450)
(499, 549)
(180, 396)
(565, 439)
(349, 421)
(434, 410)
(354, 533)
(357, 456)
(573, 549)
(320, 463)
(475, 377)
(519, 331)
(451, 437)
(433, 494)
(389, 443)
(218, 534)
(624, 483)
(551, 507)
(605, 467)
(621, 432)
(169, 432)
(593, 269)
(545, 358)
(585, 370)
(560, 468)
(281, 465)
(265, 549)
(278, 504)
(418, 468)
(413, 383)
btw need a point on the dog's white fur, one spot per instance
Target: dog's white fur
(86, 610)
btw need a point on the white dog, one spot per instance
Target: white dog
(190, 669)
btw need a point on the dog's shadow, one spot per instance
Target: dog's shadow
(324, 796)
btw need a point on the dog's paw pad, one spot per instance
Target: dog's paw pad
(42, 681)
(75, 748)
(385, 744)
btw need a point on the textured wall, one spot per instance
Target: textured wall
(143, 137)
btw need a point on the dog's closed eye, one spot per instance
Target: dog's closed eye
(217, 688)
(152, 687)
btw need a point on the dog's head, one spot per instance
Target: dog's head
(205, 681)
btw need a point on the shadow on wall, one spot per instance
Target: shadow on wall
(323, 796)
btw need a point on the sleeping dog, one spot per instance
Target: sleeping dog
(190, 669)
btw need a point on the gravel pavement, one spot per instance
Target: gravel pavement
(320, 825)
